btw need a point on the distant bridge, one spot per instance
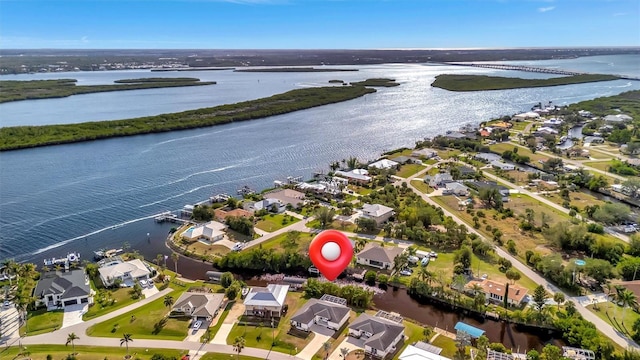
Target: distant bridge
(537, 69)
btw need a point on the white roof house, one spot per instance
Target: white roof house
(502, 165)
(357, 175)
(384, 164)
(412, 352)
(130, 270)
(377, 212)
(553, 122)
(525, 116)
(211, 231)
(617, 118)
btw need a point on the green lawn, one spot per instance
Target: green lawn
(59, 352)
(523, 151)
(414, 334)
(42, 321)
(279, 242)
(600, 165)
(273, 222)
(409, 169)
(421, 186)
(141, 325)
(262, 337)
(448, 153)
(121, 299)
(615, 316)
(212, 356)
(447, 345)
(360, 190)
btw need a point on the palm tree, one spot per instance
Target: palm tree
(558, 298)
(168, 300)
(10, 266)
(477, 289)
(238, 345)
(126, 339)
(628, 299)
(425, 275)
(70, 339)
(400, 262)
(175, 257)
(360, 244)
(326, 346)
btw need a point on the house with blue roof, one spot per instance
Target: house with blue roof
(267, 301)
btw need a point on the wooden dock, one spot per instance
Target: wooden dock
(170, 217)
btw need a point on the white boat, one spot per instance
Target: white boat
(64, 261)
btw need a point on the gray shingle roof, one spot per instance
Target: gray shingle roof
(69, 284)
(384, 331)
(203, 304)
(382, 254)
(315, 307)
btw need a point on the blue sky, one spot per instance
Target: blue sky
(317, 24)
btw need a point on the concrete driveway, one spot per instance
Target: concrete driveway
(149, 291)
(221, 336)
(313, 346)
(348, 343)
(10, 324)
(73, 314)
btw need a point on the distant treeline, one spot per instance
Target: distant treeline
(483, 82)
(11, 90)
(294, 69)
(20, 137)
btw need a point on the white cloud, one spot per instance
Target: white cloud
(546, 9)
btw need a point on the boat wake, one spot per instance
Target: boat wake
(61, 243)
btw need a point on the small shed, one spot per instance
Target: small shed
(474, 332)
(214, 276)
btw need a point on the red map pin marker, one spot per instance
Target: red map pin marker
(331, 252)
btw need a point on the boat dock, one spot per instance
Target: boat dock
(169, 217)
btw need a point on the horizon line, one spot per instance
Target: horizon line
(634, 47)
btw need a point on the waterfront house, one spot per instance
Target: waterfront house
(617, 118)
(439, 179)
(422, 351)
(406, 160)
(426, 153)
(377, 256)
(222, 213)
(287, 197)
(266, 301)
(209, 232)
(553, 122)
(329, 311)
(197, 305)
(57, 289)
(380, 334)
(269, 204)
(127, 272)
(356, 176)
(497, 164)
(377, 212)
(384, 164)
(525, 116)
(495, 291)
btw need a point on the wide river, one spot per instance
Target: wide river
(86, 196)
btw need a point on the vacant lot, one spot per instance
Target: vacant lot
(273, 222)
(409, 169)
(522, 151)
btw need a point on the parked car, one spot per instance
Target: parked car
(143, 283)
(197, 325)
(6, 304)
(406, 272)
(238, 246)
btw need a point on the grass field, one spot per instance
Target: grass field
(447, 345)
(409, 169)
(502, 147)
(122, 298)
(60, 352)
(600, 165)
(144, 323)
(594, 153)
(262, 337)
(279, 242)
(42, 321)
(515, 176)
(273, 222)
(413, 332)
(577, 198)
(615, 316)
(421, 186)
